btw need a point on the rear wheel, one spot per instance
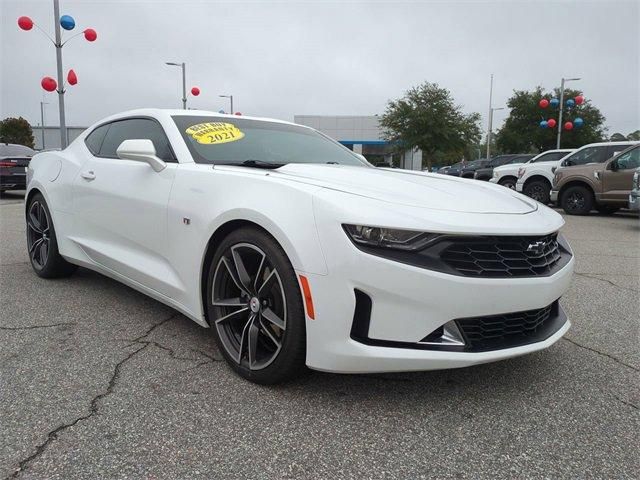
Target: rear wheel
(255, 308)
(577, 200)
(538, 190)
(41, 242)
(508, 182)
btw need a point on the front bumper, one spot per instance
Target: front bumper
(634, 200)
(553, 196)
(407, 304)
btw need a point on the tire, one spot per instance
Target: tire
(260, 329)
(42, 245)
(538, 190)
(606, 209)
(577, 200)
(509, 182)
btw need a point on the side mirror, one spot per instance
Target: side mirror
(141, 150)
(614, 166)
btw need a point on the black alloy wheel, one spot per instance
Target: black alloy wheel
(538, 190)
(255, 308)
(509, 183)
(42, 244)
(38, 234)
(577, 200)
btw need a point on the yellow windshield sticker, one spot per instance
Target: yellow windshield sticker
(214, 133)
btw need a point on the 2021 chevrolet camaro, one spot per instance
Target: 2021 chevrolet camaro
(295, 250)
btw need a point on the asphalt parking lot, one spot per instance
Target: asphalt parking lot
(99, 381)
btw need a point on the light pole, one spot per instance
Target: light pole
(491, 110)
(184, 82)
(490, 118)
(230, 97)
(561, 108)
(49, 84)
(42, 104)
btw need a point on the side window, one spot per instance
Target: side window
(136, 128)
(588, 155)
(629, 160)
(614, 150)
(551, 157)
(95, 138)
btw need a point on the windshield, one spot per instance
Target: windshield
(254, 143)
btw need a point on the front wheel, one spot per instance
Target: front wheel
(42, 243)
(508, 182)
(538, 190)
(577, 200)
(255, 308)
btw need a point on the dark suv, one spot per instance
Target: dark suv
(486, 173)
(470, 168)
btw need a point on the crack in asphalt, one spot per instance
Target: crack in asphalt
(586, 275)
(604, 354)
(93, 406)
(632, 405)
(33, 327)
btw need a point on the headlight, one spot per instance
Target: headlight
(392, 238)
(636, 180)
(521, 172)
(495, 174)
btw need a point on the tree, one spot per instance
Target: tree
(635, 136)
(427, 118)
(16, 130)
(521, 131)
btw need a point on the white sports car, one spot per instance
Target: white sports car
(295, 250)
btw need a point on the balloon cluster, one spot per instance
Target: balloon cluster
(569, 104)
(68, 23)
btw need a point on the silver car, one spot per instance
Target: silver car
(634, 196)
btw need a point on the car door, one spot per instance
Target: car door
(120, 205)
(617, 177)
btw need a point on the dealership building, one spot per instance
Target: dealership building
(364, 135)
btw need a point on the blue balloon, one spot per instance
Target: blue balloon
(67, 22)
(544, 124)
(578, 122)
(554, 102)
(570, 103)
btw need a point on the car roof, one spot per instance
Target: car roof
(168, 112)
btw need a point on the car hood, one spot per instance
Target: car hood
(411, 188)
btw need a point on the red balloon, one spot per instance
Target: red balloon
(25, 23)
(72, 78)
(551, 123)
(195, 91)
(568, 126)
(237, 113)
(90, 34)
(579, 100)
(544, 103)
(49, 84)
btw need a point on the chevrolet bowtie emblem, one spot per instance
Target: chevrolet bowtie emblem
(537, 247)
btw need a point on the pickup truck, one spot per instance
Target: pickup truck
(603, 186)
(535, 181)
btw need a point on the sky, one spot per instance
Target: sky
(286, 58)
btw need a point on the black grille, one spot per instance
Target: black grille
(482, 333)
(503, 256)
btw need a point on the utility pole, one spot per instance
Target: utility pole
(58, 45)
(490, 119)
(184, 81)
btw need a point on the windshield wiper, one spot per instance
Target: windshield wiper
(256, 164)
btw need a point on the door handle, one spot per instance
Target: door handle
(88, 175)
